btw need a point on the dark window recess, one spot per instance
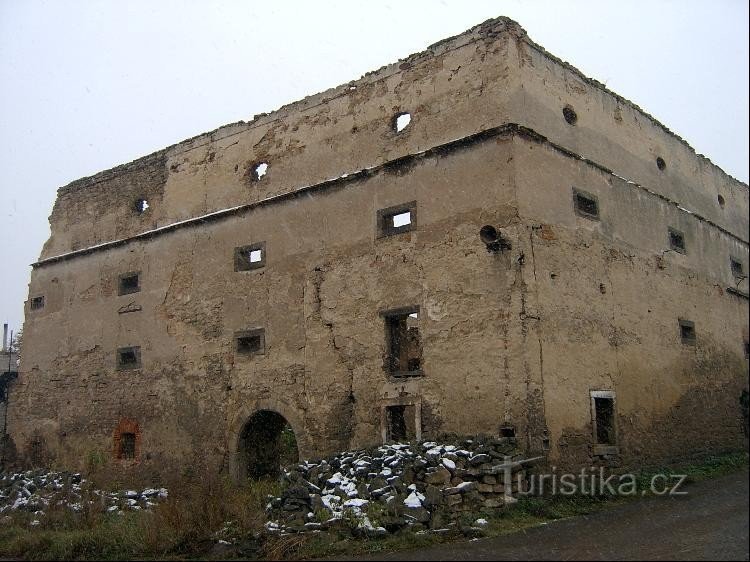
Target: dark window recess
(395, 220)
(676, 240)
(128, 358)
(571, 117)
(507, 431)
(250, 342)
(127, 445)
(687, 332)
(129, 283)
(37, 303)
(586, 205)
(401, 423)
(250, 257)
(404, 342)
(605, 421)
(660, 163)
(737, 269)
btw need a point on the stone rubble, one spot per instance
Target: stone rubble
(35, 491)
(421, 486)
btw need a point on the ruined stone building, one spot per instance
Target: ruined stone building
(321, 268)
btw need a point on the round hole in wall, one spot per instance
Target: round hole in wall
(721, 201)
(660, 163)
(259, 170)
(141, 206)
(570, 115)
(401, 121)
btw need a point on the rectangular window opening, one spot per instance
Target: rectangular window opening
(128, 358)
(605, 420)
(676, 241)
(250, 342)
(250, 257)
(129, 283)
(127, 445)
(401, 423)
(37, 303)
(403, 342)
(586, 205)
(687, 332)
(398, 219)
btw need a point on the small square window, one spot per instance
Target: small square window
(250, 257)
(687, 332)
(128, 358)
(585, 204)
(250, 342)
(129, 283)
(398, 219)
(37, 303)
(737, 269)
(677, 240)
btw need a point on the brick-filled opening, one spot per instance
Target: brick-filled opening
(570, 115)
(128, 358)
(250, 342)
(129, 283)
(252, 256)
(397, 219)
(401, 423)
(37, 303)
(585, 204)
(403, 342)
(687, 332)
(676, 240)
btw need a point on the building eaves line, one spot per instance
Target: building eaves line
(351, 177)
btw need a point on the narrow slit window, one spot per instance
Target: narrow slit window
(687, 332)
(128, 358)
(129, 283)
(250, 342)
(398, 219)
(37, 303)
(585, 204)
(250, 257)
(676, 240)
(403, 340)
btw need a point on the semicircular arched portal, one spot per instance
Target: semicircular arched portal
(267, 442)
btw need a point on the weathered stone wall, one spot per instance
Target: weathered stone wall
(519, 337)
(611, 294)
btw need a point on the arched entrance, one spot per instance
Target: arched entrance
(267, 443)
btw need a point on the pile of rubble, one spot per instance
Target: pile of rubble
(35, 491)
(421, 486)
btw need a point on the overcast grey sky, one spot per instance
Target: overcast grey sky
(87, 85)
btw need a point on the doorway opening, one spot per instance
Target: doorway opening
(267, 443)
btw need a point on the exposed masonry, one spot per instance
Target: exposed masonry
(352, 177)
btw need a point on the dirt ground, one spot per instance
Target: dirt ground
(709, 523)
